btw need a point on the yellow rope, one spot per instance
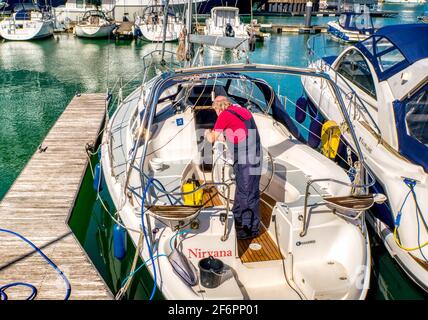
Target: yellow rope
(403, 247)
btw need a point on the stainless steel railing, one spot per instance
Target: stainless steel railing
(225, 235)
(310, 184)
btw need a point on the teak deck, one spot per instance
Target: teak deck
(38, 206)
(269, 250)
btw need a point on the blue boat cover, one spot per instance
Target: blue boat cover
(410, 39)
(410, 147)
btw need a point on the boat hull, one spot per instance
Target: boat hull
(388, 170)
(338, 33)
(32, 30)
(154, 33)
(82, 31)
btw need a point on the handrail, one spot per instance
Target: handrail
(202, 186)
(362, 104)
(152, 53)
(310, 184)
(160, 83)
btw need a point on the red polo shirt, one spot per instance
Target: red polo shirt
(231, 125)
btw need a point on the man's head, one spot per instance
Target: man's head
(220, 104)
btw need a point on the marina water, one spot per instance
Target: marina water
(39, 78)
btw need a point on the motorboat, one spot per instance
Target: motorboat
(313, 242)
(351, 27)
(27, 25)
(225, 22)
(383, 80)
(94, 24)
(150, 26)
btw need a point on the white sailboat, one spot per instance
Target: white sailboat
(384, 83)
(94, 24)
(150, 26)
(27, 25)
(173, 193)
(312, 245)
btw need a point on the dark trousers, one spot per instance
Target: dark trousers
(246, 208)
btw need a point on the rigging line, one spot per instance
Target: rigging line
(186, 96)
(99, 198)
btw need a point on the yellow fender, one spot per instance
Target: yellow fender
(330, 139)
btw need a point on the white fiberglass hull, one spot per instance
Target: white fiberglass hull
(30, 30)
(154, 33)
(389, 170)
(340, 34)
(90, 31)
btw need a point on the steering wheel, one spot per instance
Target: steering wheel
(222, 170)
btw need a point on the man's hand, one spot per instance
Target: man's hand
(211, 135)
(207, 132)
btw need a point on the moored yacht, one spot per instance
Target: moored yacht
(383, 80)
(94, 24)
(27, 25)
(351, 27)
(150, 26)
(173, 193)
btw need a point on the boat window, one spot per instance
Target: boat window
(387, 54)
(342, 20)
(225, 17)
(79, 3)
(354, 68)
(417, 116)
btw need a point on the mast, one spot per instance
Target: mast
(165, 25)
(189, 30)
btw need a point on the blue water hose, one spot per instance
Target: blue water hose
(131, 274)
(34, 290)
(177, 234)
(411, 184)
(4, 296)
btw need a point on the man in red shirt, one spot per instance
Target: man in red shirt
(243, 138)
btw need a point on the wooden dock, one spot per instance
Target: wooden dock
(38, 206)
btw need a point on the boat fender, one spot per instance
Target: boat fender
(301, 109)
(314, 137)
(119, 242)
(330, 139)
(98, 179)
